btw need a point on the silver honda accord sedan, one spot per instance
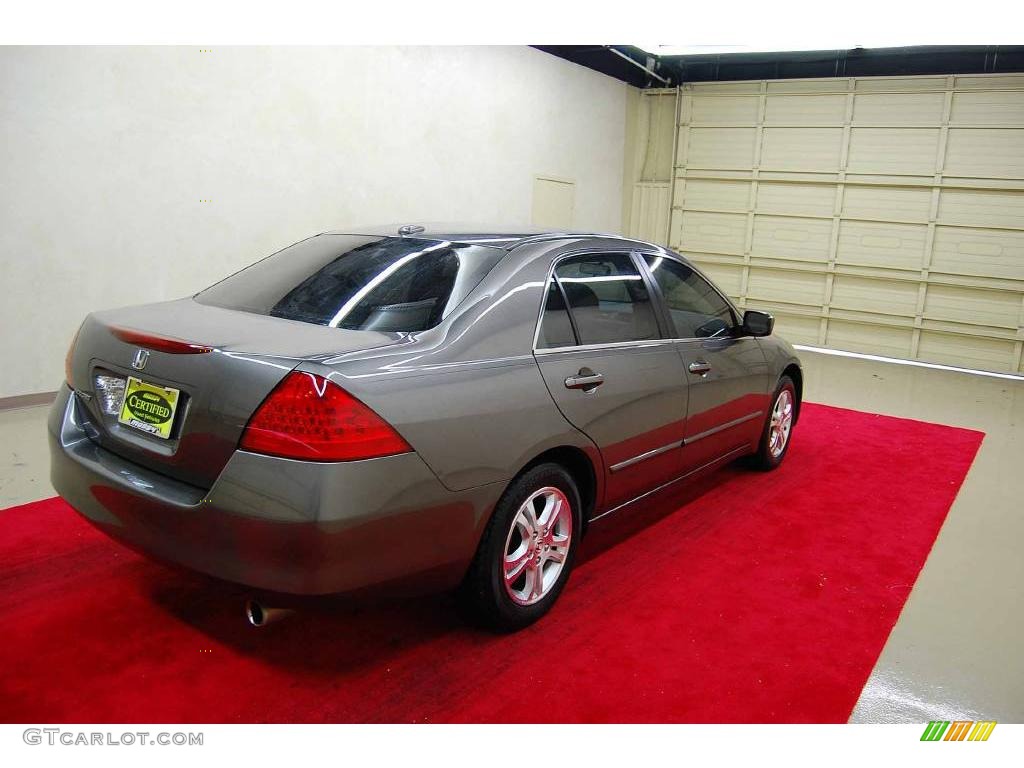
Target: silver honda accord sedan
(423, 407)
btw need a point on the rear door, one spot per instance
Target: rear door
(728, 374)
(602, 350)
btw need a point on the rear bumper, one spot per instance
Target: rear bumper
(276, 524)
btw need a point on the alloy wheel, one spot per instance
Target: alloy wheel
(781, 423)
(537, 545)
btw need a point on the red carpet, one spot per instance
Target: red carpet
(764, 598)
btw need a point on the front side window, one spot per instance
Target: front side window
(607, 297)
(358, 283)
(697, 309)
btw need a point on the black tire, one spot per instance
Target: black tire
(483, 594)
(764, 459)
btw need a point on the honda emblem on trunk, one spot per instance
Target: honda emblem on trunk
(139, 361)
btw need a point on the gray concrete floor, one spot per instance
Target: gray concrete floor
(955, 652)
(24, 456)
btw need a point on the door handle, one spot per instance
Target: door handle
(700, 366)
(586, 380)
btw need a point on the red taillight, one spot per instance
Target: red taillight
(159, 343)
(308, 417)
(68, 357)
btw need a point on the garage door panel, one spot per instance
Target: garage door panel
(805, 199)
(713, 232)
(786, 285)
(728, 277)
(988, 82)
(869, 338)
(973, 306)
(893, 150)
(721, 148)
(881, 244)
(898, 108)
(822, 109)
(887, 213)
(881, 296)
(736, 87)
(715, 195)
(968, 351)
(901, 84)
(992, 153)
(980, 252)
(982, 208)
(801, 149)
(798, 329)
(988, 108)
(791, 237)
(773, 87)
(876, 202)
(724, 109)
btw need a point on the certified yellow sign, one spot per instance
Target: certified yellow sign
(149, 407)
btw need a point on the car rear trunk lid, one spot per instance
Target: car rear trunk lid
(223, 363)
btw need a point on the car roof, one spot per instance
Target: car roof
(507, 237)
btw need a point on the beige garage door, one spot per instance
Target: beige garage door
(879, 215)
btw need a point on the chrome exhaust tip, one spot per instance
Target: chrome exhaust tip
(259, 615)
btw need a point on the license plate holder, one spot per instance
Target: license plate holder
(149, 408)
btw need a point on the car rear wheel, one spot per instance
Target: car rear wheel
(778, 426)
(527, 550)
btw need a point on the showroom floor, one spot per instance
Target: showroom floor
(955, 652)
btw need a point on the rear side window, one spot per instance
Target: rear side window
(358, 283)
(607, 298)
(697, 309)
(556, 327)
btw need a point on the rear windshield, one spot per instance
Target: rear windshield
(359, 283)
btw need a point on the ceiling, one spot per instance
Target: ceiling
(644, 70)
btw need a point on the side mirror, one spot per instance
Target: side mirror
(757, 323)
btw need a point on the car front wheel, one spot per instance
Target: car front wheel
(527, 550)
(778, 427)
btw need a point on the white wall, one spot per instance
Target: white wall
(108, 154)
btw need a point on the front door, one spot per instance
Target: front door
(728, 374)
(728, 398)
(611, 372)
